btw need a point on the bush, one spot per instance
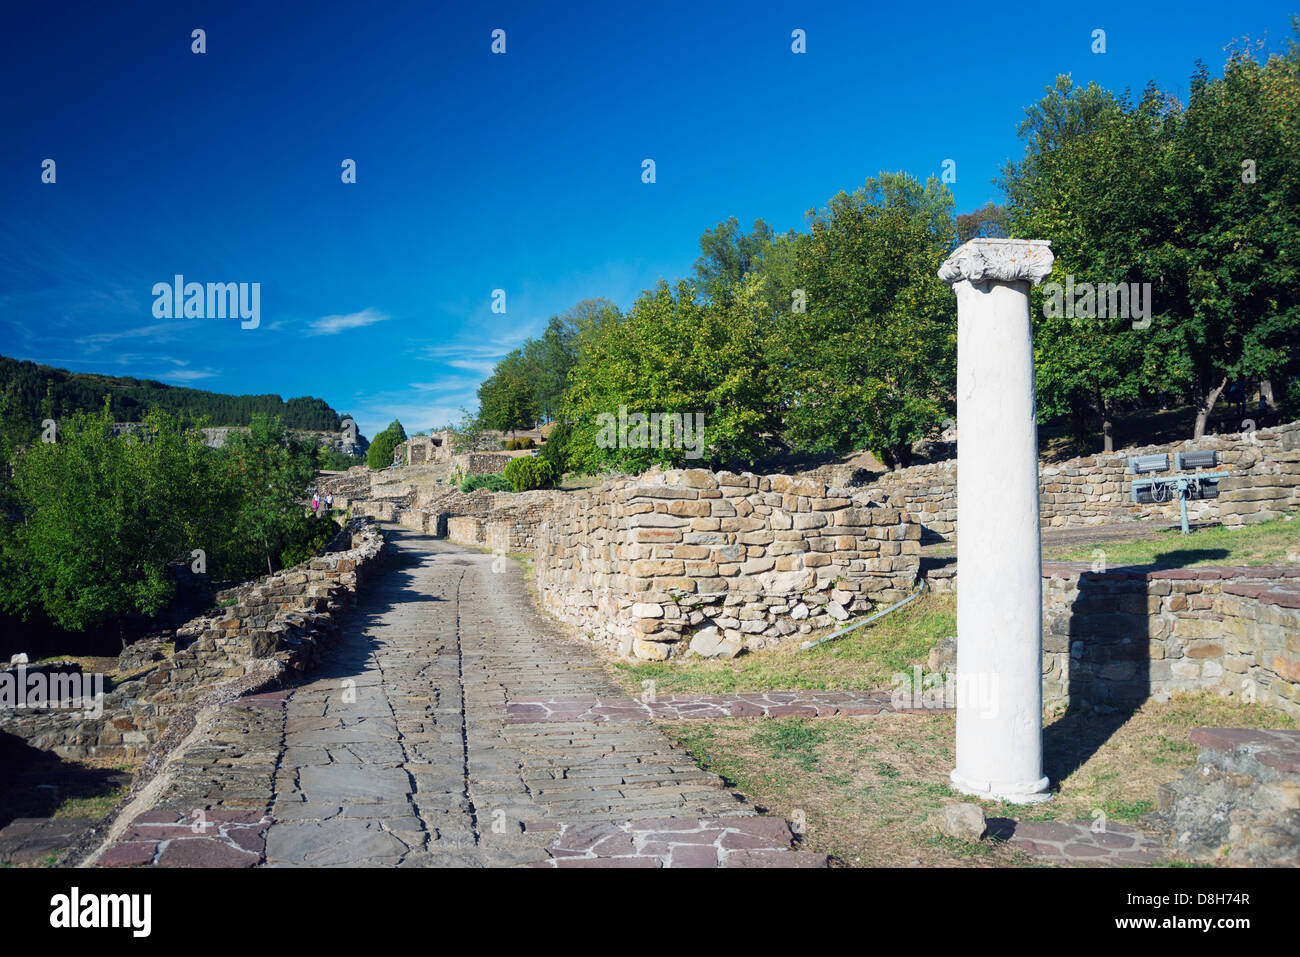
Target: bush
(493, 483)
(380, 453)
(530, 473)
(332, 460)
(516, 445)
(307, 540)
(556, 448)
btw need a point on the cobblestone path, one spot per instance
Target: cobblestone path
(399, 751)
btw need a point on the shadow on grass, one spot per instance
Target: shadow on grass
(37, 783)
(1178, 558)
(1069, 741)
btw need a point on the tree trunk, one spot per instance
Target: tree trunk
(1207, 406)
(1266, 391)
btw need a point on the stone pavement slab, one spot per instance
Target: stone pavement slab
(401, 750)
(1077, 843)
(700, 707)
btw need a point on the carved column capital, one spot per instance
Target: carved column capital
(999, 260)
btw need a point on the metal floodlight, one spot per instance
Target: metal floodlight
(1142, 464)
(1196, 460)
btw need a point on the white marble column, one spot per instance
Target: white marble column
(999, 564)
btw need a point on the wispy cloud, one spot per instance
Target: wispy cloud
(333, 325)
(450, 386)
(189, 375)
(483, 367)
(157, 332)
(373, 413)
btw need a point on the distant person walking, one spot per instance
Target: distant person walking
(315, 503)
(329, 501)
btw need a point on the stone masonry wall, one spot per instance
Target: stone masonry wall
(1125, 634)
(278, 622)
(712, 563)
(1240, 804)
(1095, 489)
(506, 521)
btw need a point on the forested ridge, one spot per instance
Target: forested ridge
(29, 391)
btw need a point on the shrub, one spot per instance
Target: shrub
(307, 540)
(380, 453)
(332, 460)
(556, 448)
(493, 483)
(530, 473)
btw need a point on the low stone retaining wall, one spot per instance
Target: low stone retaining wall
(716, 562)
(1095, 489)
(465, 529)
(1240, 805)
(480, 463)
(279, 622)
(1125, 634)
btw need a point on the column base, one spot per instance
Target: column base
(1029, 793)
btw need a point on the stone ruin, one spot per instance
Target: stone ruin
(692, 561)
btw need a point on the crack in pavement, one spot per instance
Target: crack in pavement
(398, 751)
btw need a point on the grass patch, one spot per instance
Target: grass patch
(1115, 762)
(1262, 544)
(860, 661)
(864, 786)
(94, 805)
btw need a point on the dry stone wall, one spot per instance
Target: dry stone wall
(712, 563)
(1095, 489)
(1128, 633)
(278, 623)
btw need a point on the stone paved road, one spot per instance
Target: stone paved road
(705, 707)
(398, 751)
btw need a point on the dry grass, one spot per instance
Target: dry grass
(865, 785)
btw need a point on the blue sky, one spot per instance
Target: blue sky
(477, 171)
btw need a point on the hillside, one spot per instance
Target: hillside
(24, 386)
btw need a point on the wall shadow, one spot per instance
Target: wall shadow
(36, 783)
(1109, 637)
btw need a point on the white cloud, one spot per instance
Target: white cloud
(374, 415)
(333, 325)
(483, 367)
(189, 375)
(158, 332)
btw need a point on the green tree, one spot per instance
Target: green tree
(1093, 187)
(989, 221)
(1154, 193)
(675, 355)
(103, 515)
(507, 399)
(871, 363)
(728, 256)
(1234, 260)
(268, 471)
